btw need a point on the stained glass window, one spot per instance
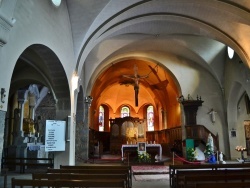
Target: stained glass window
(124, 112)
(150, 118)
(101, 118)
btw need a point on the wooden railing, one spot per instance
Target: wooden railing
(200, 133)
(173, 136)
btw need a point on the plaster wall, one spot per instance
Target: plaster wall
(236, 84)
(37, 22)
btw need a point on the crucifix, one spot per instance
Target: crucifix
(136, 77)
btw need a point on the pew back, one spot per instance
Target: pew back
(69, 176)
(121, 168)
(88, 171)
(191, 180)
(222, 185)
(67, 183)
(177, 172)
(96, 172)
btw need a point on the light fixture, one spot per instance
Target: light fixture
(3, 95)
(230, 52)
(74, 81)
(56, 3)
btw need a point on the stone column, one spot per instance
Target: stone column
(85, 138)
(21, 148)
(21, 100)
(32, 103)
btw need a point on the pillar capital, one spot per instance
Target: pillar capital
(22, 95)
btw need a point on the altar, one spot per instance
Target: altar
(149, 148)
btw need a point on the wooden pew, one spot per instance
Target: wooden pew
(24, 162)
(66, 183)
(182, 174)
(106, 167)
(175, 169)
(94, 171)
(28, 182)
(69, 176)
(222, 185)
(88, 171)
(191, 180)
(95, 166)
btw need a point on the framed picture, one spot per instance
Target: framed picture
(142, 146)
(233, 133)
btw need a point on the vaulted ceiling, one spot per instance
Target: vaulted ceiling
(111, 36)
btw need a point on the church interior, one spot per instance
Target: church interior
(123, 72)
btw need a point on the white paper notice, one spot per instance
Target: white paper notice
(55, 135)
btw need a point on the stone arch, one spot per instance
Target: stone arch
(98, 79)
(234, 120)
(39, 65)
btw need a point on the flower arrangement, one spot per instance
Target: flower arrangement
(240, 148)
(191, 154)
(144, 157)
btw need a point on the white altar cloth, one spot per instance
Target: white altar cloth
(124, 146)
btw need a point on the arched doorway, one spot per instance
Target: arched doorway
(39, 91)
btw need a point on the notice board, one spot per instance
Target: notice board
(55, 135)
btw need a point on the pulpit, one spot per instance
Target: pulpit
(190, 109)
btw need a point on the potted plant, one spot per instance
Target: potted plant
(191, 154)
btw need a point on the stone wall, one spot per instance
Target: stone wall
(46, 111)
(2, 127)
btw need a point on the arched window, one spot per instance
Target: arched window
(125, 111)
(150, 118)
(101, 118)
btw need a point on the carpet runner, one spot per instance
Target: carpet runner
(152, 177)
(150, 173)
(150, 169)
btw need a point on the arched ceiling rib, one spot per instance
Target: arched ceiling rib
(203, 12)
(39, 65)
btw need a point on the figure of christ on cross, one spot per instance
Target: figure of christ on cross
(136, 77)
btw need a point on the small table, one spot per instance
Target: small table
(134, 147)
